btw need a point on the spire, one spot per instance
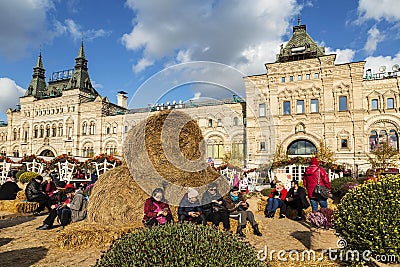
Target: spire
(37, 86)
(300, 46)
(81, 53)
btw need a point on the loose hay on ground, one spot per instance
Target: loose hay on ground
(82, 235)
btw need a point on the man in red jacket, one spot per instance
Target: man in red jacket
(310, 180)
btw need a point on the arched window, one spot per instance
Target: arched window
(35, 132)
(111, 149)
(235, 121)
(215, 148)
(301, 147)
(92, 127)
(54, 130)
(60, 130)
(87, 150)
(15, 133)
(47, 130)
(41, 132)
(373, 140)
(393, 139)
(84, 128)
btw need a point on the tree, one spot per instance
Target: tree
(384, 156)
(324, 153)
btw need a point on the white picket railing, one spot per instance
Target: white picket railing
(104, 166)
(4, 169)
(34, 166)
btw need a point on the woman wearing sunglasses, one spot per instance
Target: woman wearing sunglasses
(214, 207)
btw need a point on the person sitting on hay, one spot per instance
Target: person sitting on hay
(214, 207)
(156, 209)
(73, 210)
(275, 200)
(189, 208)
(9, 190)
(34, 193)
(296, 199)
(237, 205)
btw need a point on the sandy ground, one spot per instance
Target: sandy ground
(22, 245)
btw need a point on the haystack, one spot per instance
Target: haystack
(159, 152)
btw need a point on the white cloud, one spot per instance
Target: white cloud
(75, 30)
(22, 26)
(374, 37)
(142, 64)
(221, 31)
(377, 10)
(342, 56)
(374, 63)
(10, 93)
(97, 86)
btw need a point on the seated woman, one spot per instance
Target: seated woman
(156, 209)
(295, 199)
(275, 200)
(48, 186)
(237, 205)
(189, 208)
(214, 208)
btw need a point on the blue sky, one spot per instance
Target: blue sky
(128, 42)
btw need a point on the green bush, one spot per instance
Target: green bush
(26, 177)
(368, 217)
(266, 191)
(337, 184)
(18, 174)
(179, 245)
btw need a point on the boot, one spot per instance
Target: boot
(256, 230)
(240, 232)
(271, 214)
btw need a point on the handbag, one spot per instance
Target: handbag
(319, 189)
(218, 208)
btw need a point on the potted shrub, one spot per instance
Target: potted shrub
(322, 234)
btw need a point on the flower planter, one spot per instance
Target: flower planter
(323, 239)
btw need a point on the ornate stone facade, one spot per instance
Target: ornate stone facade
(68, 116)
(305, 97)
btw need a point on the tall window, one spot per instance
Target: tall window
(41, 132)
(48, 131)
(308, 76)
(344, 143)
(390, 103)
(235, 121)
(210, 123)
(35, 132)
(314, 106)
(262, 146)
(374, 104)
(286, 107)
(60, 130)
(84, 129)
(114, 129)
(111, 149)
(15, 134)
(291, 78)
(70, 133)
(283, 79)
(88, 151)
(92, 128)
(342, 103)
(215, 149)
(54, 130)
(300, 106)
(316, 75)
(261, 110)
(108, 131)
(299, 77)
(238, 150)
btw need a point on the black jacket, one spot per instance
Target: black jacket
(207, 204)
(301, 196)
(33, 190)
(186, 206)
(8, 191)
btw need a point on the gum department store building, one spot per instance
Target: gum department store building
(302, 98)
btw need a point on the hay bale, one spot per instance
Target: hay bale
(82, 235)
(21, 195)
(156, 156)
(168, 150)
(26, 207)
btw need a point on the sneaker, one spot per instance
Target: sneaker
(298, 218)
(282, 216)
(36, 213)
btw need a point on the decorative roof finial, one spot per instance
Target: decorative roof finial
(298, 20)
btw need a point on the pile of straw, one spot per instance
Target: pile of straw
(83, 235)
(16, 206)
(118, 196)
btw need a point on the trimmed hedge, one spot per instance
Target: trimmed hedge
(180, 245)
(26, 177)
